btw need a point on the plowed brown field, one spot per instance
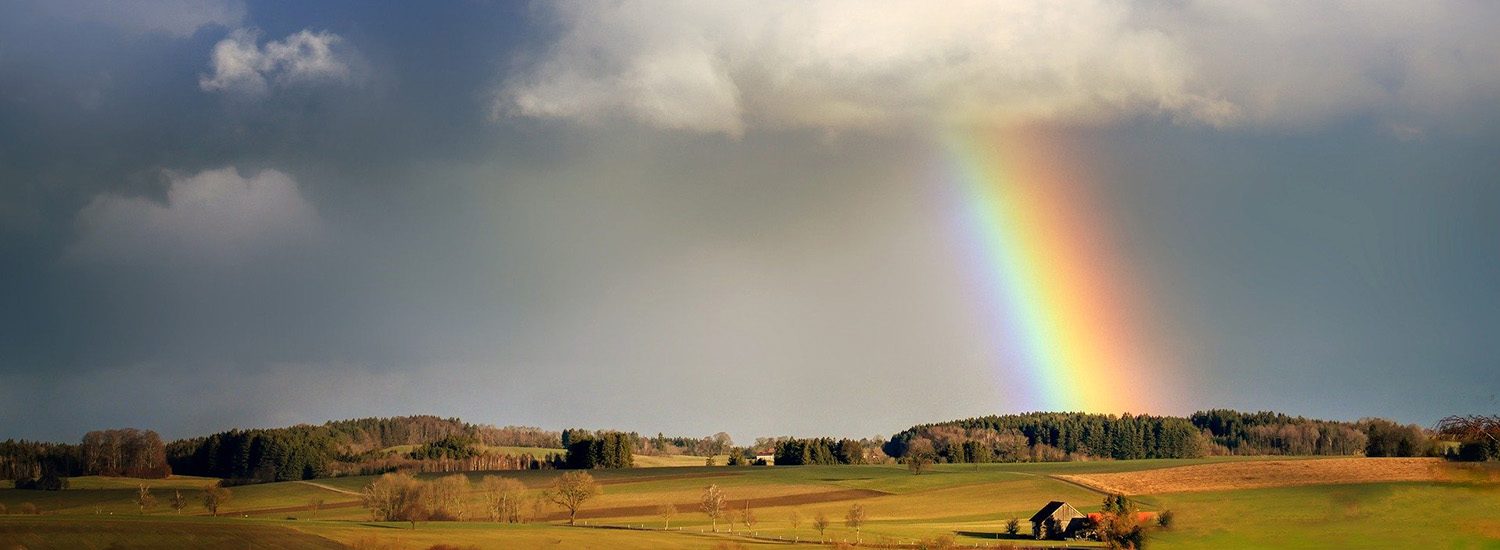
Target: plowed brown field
(1259, 474)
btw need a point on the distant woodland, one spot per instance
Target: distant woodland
(432, 444)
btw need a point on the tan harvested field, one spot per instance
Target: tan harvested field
(763, 502)
(1231, 476)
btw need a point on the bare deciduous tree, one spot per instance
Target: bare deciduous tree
(502, 498)
(144, 498)
(747, 516)
(919, 455)
(538, 506)
(445, 497)
(666, 511)
(571, 490)
(820, 522)
(795, 518)
(214, 497)
(855, 519)
(178, 501)
(713, 504)
(396, 497)
(1470, 428)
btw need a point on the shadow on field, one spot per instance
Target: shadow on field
(991, 535)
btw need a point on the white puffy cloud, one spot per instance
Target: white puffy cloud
(725, 66)
(242, 66)
(214, 216)
(177, 18)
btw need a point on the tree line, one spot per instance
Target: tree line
(1045, 436)
(1051, 436)
(121, 452)
(819, 450)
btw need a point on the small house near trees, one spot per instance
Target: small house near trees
(1057, 520)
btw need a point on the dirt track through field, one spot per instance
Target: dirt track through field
(689, 507)
(1261, 474)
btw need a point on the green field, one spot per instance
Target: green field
(963, 501)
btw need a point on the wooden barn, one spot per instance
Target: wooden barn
(1056, 520)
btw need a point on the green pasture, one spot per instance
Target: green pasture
(968, 502)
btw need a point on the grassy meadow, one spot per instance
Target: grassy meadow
(964, 501)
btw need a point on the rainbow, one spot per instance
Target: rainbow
(1052, 286)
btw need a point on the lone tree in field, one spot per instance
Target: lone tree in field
(748, 516)
(144, 498)
(795, 518)
(713, 504)
(854, 519)
(573, 489)
(313, 505)
(214, 497)
(665, 512)
(919, 455)
(1013, 526)
(820, 522)
(396, 497)
(502, 498)
(178, 501)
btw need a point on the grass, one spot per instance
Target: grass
(971, 503)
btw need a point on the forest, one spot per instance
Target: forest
(434, 444)
(1081, 436)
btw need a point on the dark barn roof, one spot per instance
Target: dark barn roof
(1047, 511)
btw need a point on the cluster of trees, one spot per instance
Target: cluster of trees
(403, 497)
(358, 446)
(1478, 436)
(1052, 436)
(123, 452)
(1269, 433)
(370, 434)
(298, 452)
(27, 460)
(717, 444)
(400, 496)
(454, 447)
(821, 450)
(601, 450)
(1386, 438)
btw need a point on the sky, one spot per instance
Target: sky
(764, 218)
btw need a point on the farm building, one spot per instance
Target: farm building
(765, 458)
(1057, 520)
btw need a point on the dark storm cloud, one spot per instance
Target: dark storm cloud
(276, 213)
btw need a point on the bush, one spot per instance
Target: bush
(1479, 451)
(49, 482)
(1164, 519)
(3, 510)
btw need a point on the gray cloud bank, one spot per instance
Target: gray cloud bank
(691, 217)
(723, 67)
